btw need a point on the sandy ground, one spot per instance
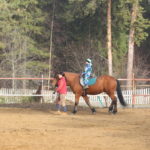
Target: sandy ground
(38, 128)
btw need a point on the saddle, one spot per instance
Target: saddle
(90, 82)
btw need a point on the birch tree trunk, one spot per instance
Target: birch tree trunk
(13, 59)
(109, 42)
(13, 69)
(25, 62)
(51, 40)
(131, 43)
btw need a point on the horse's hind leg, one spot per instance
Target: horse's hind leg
(113, 105)
(86, 98)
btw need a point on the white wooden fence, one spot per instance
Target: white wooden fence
(136, 98)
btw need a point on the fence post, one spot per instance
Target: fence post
(133, 90)
(42, 100)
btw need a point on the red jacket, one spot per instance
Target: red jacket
(62, 86)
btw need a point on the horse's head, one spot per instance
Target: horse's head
(70, 79)
(54, 81)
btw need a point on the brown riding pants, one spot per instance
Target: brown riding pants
(61, 99)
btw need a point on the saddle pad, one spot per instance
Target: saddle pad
(90, 82)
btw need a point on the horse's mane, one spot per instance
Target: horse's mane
(71, 73)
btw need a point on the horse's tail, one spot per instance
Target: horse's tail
(119, 93)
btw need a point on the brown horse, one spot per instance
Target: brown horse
(107, 84)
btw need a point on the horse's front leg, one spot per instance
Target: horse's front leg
(86, 98)
(76, 103)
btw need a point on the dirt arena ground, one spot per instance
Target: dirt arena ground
(38, 128)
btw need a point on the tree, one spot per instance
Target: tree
(109, 41)
(81, 27)
(131, 42)
(79, 31)
(51, 40)
(136, 35)
(20, 23)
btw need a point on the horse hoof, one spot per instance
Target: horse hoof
(114, 112)
(109, 111)
(74, 112)
(93, 111)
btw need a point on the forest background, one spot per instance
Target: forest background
(45, 36)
